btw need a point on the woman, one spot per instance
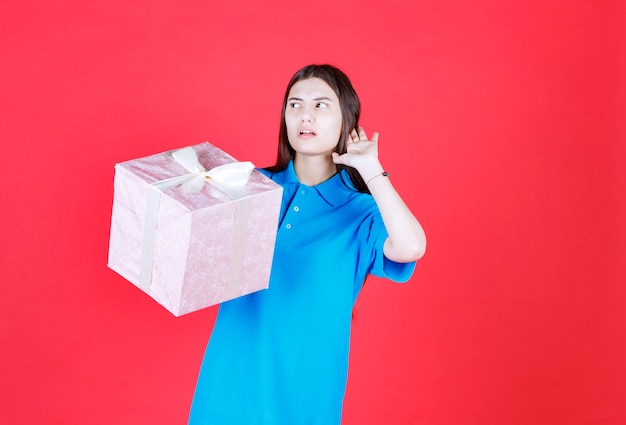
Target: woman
(280, 356)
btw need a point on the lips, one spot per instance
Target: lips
(306, 132)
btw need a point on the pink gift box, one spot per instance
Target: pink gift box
(190, 250)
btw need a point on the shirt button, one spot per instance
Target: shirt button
(288, 226)
(296, 208)
(303, 192)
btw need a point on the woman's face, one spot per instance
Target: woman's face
(313, 118)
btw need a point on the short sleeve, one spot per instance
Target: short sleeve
(380, 266)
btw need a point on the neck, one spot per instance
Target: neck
(313, 170)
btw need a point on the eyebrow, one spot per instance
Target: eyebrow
(315, 100)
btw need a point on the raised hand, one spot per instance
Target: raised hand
(361, 154)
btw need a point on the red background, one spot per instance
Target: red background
(502, 124)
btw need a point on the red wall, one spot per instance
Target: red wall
(502, 124)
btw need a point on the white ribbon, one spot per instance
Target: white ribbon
(233, 174)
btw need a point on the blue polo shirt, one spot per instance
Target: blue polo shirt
(280, 356)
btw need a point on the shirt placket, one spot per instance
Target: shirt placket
(290, 223)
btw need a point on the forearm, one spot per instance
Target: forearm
(406, 241)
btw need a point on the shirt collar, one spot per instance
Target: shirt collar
(336, 191)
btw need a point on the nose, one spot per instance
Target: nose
(307, 115)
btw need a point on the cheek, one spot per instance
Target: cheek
(338, 127)
(290, 123)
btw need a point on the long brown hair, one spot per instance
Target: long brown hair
(350, 112)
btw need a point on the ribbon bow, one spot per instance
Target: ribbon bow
(233, 174)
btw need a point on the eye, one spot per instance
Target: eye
(321, 105)
(294, 105)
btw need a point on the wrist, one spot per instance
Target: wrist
(381, 174)
(367, 171)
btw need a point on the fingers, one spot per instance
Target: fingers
(359, 135)
(358, 149)
(354, 137)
